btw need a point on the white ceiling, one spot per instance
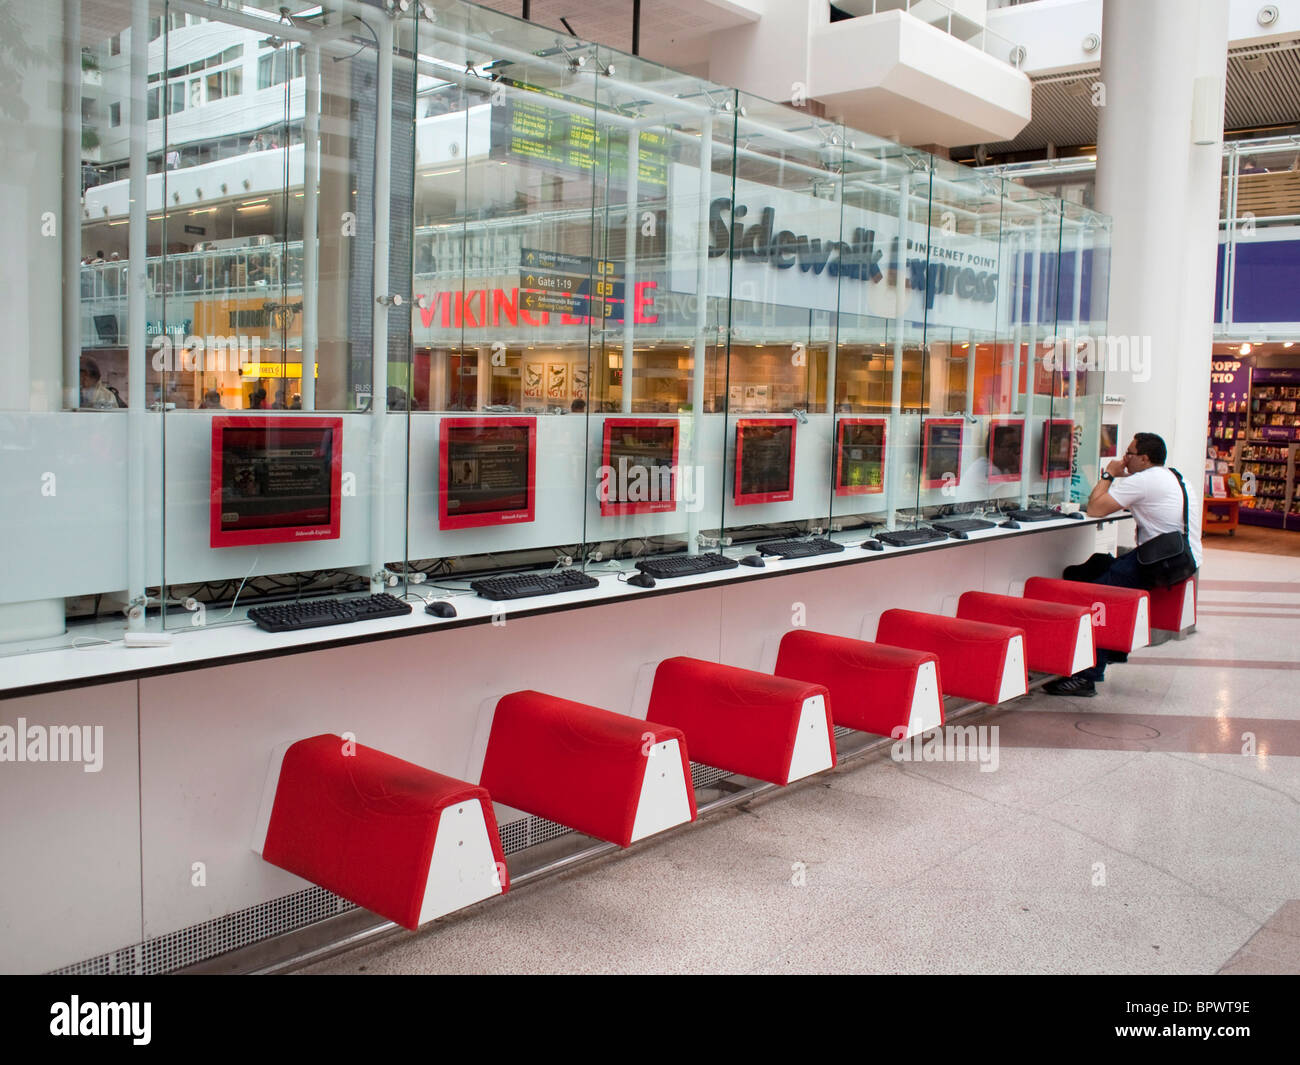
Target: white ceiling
(1063, 113)
(673, 32)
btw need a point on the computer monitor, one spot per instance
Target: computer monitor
(1006, 449)
(941, 453)
(638, 466)
(860, 456)
(1058, 448)
(487, 472)
(764, 460)
(106, 328)
(275, 480)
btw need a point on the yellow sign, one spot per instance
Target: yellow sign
(275, 369)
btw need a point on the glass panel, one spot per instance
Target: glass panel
(507, 169)
(284, 406)
(456, 294)
(881, 379)
(783, 234)
(658, 357)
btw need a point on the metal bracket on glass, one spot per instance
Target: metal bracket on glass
(395, 300)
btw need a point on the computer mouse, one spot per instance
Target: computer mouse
(753, 560)
(642, 580)
(1010, 523)
(959, 534)
(440, 608)
(873, 545)
(1078, 515)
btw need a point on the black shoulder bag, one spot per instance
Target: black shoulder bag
(1167, 559)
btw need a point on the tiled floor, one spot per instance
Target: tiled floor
(1152, 829)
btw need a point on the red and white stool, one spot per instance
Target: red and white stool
(1121, 617)
(873, 687)
(395, 838)
(765, 727)
(977, 660)
(607, 775)
(1058, 636)
(1173, 609)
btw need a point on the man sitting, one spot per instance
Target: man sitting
(1141, 484)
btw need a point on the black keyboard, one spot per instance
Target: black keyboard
(685, 565)
(313, 613)
(951, 525)
(1034, 514)
(816, 545)
(911, 537)
(524, 585)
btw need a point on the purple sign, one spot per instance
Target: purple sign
(1274, 432)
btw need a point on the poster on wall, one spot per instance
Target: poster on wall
(580, 382)
(533, 380)
(557, 380)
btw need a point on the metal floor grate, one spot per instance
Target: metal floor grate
(199, 942)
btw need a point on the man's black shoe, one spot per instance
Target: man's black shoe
(1080, 687)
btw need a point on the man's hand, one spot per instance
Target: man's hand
(1115, 467)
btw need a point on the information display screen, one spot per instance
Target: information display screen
(1058, 448)
(764, 461)
(522, 125)
(941, 457)
(639, 470)
(487, 472)
(1006, 450)
(275, 480)
(860, 456)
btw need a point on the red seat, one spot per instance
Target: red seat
(768, 728)
(1173, 609)
(1121, 617)
(393, 837)
(977, 660)
(607, 775)
(873, 687)
(1058, 636)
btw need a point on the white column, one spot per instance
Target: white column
(629, 265)
(310, 224)
(702, 333)
(383, 28)
(137, 446)
(1163, 192)
(894, 435)
(70, 216)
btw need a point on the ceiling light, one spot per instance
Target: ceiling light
(1245, 349)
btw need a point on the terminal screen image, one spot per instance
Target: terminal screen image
(860, 456)
(639, 466)
(1058, 448)
(1006, 450)
(275, 480)
(941, 458)
(488, 472)
(764, 461)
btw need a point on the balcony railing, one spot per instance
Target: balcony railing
(941, 16)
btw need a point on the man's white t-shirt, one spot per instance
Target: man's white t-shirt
(1156, 503)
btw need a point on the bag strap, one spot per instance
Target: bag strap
(1186, 527)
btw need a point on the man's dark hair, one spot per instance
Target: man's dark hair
(1152, 446)
(90, 368)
